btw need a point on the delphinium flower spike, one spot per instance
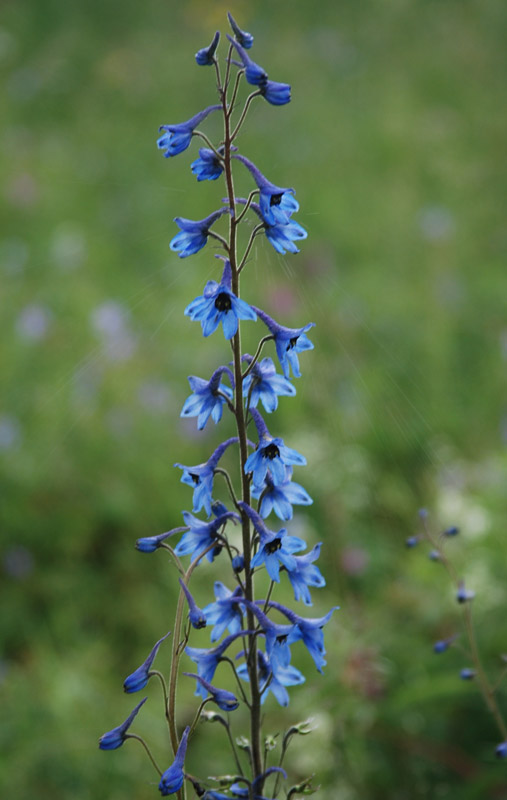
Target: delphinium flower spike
(178, 137)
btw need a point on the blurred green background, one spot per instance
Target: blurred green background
(395, 142)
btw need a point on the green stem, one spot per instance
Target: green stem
(255, 706)
(243, 115)
(258, 228)
(139, 739)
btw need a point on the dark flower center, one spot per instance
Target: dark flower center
(194, 477)
(273, 546)
(276, 199)
(223, 302)
(292, 342)
(281, 639)
(271, 451)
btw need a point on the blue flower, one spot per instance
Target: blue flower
(193, 234)
(205, 57)
(172, 779)
(218, 305)
(306, 574)
(467, 674)
(257, 783)
(208, 166)
(140, 677)
(276, 203)
(243, 37)
(452, 531)
(278, 94)
(463, 595)
(281, 498)
(200, 477)
(207, 660)
(277, 637)
(501, 750)
(412, 541)
(309, 630)
(288, 342)
(254, 74)
(225, 612)
(238, 563)
(208, 397)
(195, 614)
(177, 137)
(264, 384)
(149, 544)
(271, 453)
(281, 236)
(273, 682)
(443, 644)
(275, 549)
(225, 700)
(202, 535)
(115, 738)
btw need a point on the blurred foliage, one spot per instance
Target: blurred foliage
(395, 142)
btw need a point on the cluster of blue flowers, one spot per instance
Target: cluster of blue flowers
(265, 656)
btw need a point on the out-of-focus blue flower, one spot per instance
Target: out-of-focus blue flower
(193, 234)
(264, 384)
(271, 453)
(467, 674)
(281, 498)
(463, 595)
(115, 738)
(201, 535)
(177, 137)
(218, 305)
(140, 677)
(243, 37)
(200, 477)
(225, 612)
(274, 682)
(195, 614)
(278, 94)
(254, 74)
(225, 700)
(288, 342)
(208, 397)
(205, 57)
(443, 644)
(452, 531)
(172, 779)
(275, 549)
(306, 574)
(309, 630)
(207, 660)
(412, 541)
(501, 750)
(149, 544)
(276, 203)
(435, 555)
